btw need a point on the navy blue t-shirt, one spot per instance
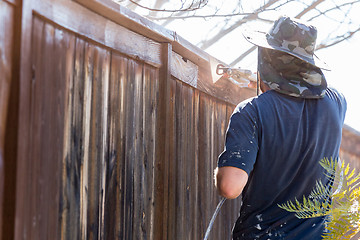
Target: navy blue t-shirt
(279, 140)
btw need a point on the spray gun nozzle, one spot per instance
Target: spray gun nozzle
(221, 69)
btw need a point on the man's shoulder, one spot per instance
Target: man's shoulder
(257, 101)
(334, 93)
(244, 103)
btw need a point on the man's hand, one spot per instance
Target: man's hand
(230, 181)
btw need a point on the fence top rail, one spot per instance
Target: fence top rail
(207, 82)
(143, 26)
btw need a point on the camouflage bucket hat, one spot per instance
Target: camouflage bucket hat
(290, 36)
(290, 75)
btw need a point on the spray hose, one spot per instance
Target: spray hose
(213, 218)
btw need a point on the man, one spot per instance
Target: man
(275, 141)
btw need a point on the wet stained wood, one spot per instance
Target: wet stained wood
(183, 156)
(47, 131)
(219, 128)
(162, 165)
(179, 160)
(120, 129)
(136, 36)
(137, 150)
(70, 225)
(7, 13)
(114, 194)
(133, 148)
(6, 18)
(35, 133)
(150, 110)
(136, 23)
(171, 228)
(98, 69)
(71, 15)
(128, 19)
(204, 158)
(194, 173)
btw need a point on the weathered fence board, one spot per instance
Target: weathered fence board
(47, 106)
(6, 27)
(6, 45)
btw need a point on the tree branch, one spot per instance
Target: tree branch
(338, 39)
(250, 50)
(200, 16)
(190, 8)
(205, 44)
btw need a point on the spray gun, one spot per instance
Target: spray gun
(238, 76)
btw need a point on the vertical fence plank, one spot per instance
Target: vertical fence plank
(205, 159)
(129, 152)
(67, 199)
(138, 167)
(114, 221)
(7, 83)
(113, 178)
(104, 74)
(219, 130)
(47, 107)
(6, 26)
(161, 187)
(62, 57)
(190, 162)
(196, 234)
(97, 140)
(35, 131)
(179, 161)
(71, 227)
(54, 62)
(84, 194)
(150, 106)
(92, 161)
(171, 231)
(97, 70)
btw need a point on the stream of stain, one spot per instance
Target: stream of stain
(213, 218)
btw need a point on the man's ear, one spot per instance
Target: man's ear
(252, 84)
(264, 87)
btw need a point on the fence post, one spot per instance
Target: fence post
(162, 166)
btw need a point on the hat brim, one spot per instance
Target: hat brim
(259, 39)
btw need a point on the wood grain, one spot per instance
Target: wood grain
(184, 69)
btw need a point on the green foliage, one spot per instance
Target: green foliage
(342, 206)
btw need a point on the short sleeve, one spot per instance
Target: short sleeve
(241, 143)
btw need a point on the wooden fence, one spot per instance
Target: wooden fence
(119, 126)
(110, 126)
(10, 30)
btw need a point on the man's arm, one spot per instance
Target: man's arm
(230, 181)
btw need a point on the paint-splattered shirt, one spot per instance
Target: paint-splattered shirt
(279, 140)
